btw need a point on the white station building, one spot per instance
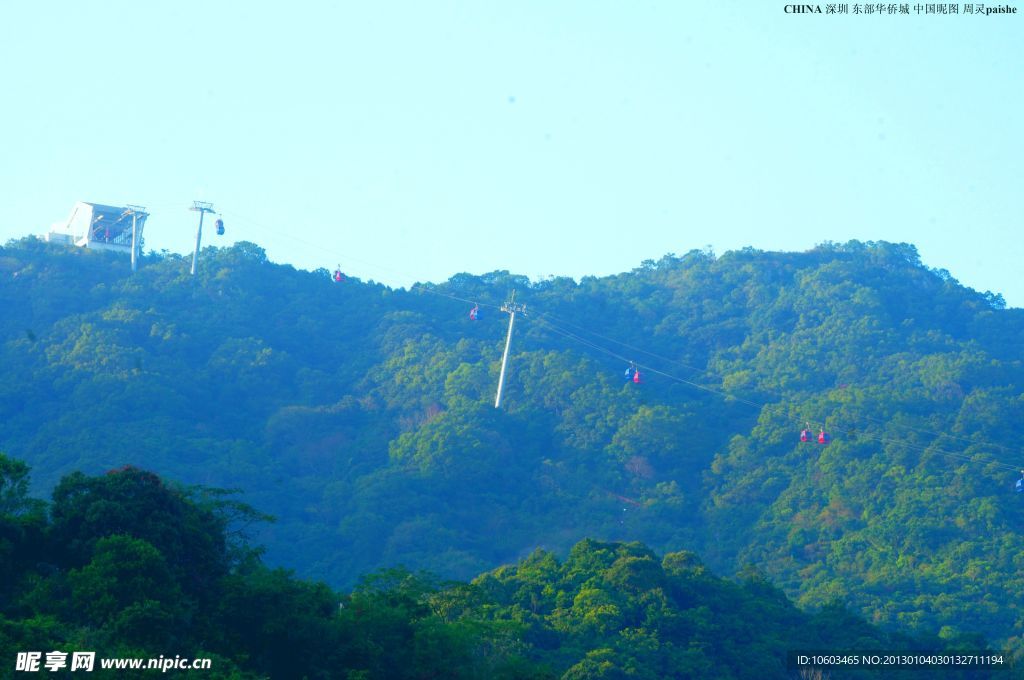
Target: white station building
(105, 227)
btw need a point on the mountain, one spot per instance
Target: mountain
(362, 417)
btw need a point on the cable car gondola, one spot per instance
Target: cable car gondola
(633, 373)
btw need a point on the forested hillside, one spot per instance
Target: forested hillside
(127, 565)
(362, 417)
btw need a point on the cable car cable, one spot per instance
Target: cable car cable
(764, 406)
(572, 336)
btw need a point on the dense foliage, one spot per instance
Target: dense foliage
(128, 565)
(362, 417)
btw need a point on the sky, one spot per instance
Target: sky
(410, 141)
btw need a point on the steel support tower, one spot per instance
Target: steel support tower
(202, 207)
(510, 308)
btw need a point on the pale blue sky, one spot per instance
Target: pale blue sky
(413, 140)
